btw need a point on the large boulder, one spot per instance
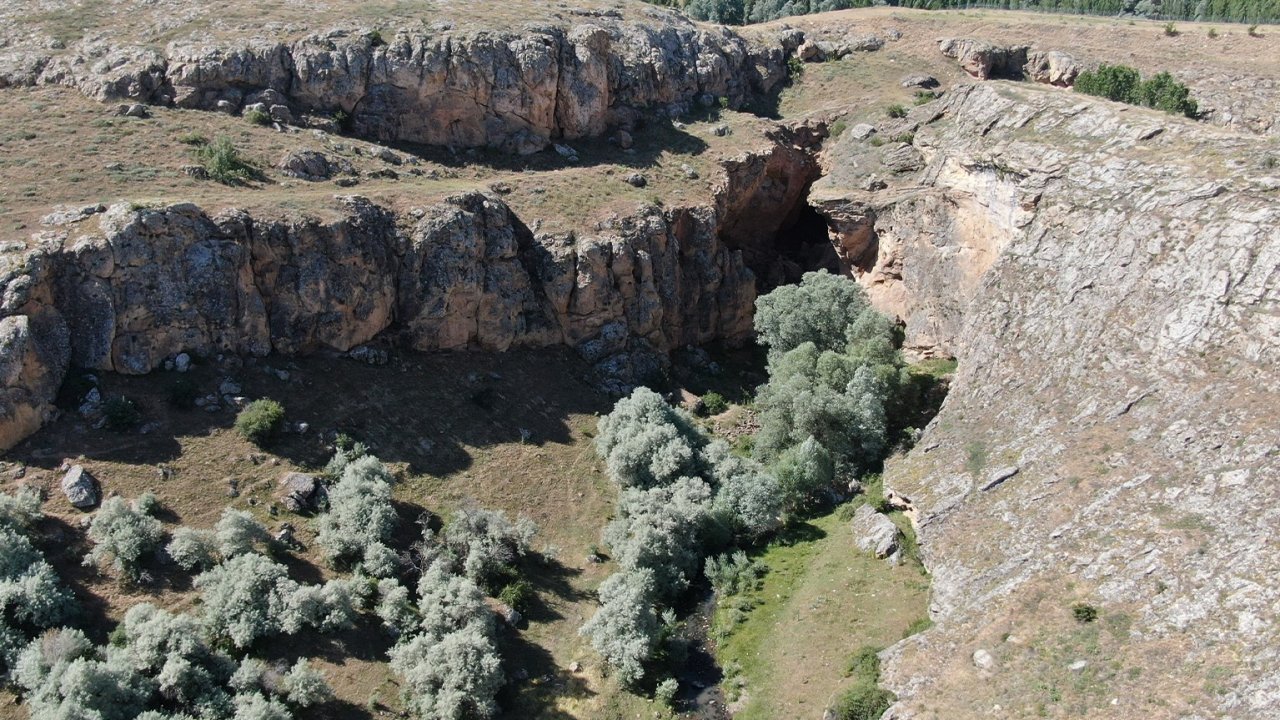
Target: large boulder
(1052, 67)
(299, 491)
(80, 487)
(876, 534)
(983, 60)
(308, 165)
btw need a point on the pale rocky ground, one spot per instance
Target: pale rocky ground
(1106, 275)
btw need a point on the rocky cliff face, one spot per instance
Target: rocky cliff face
(466, 273)
(515, 91)
(1109, 279)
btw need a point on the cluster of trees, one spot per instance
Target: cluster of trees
(739, 12)
(834, 378)
(1124, 84)
(159, 665)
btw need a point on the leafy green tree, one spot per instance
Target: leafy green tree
(660, 529)
(1114, 82)
(32, 598)
(245, 598)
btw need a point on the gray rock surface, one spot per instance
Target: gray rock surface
(1105, 276)
(298, 491)
(876, 534)
(80, 487)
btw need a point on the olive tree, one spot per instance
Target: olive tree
(123, 533)
(625, 630)
(245, 598)
(486, 542)
(32, 598)
(646, 442)
(660, 530)
(361, 519)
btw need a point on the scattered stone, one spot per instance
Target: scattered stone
(876, 534)
(196, 172)
(1052, 67)
(229, 387)
(1078, 665)
(893, 34)
(225, 106)
(285, 535)
(859, 43)
(346, 182)
(135, 110)
(566, 152)
(308, 165)
(575, 666)
(298, 491)
(501, 188)
(983, 659)
(689, 173)
(281, 114)
(902, 158)
(637, 180)
(80, 487)
(998, 476)
(624, 140)
(861, 131)
(927, 82)
(182, 363)
(92, 403)
(722, 130)
(369, 355)
(871, 183)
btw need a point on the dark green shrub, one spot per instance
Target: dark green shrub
(924, 96)
(182, 394)
(257, 117)
(1162, 92)
(1113, 82)
(896, 111)
(795, 68)
(1084, 612)
(517, 595)
(713, 403)
(120, 414)
(863, 701)
(260, 421)
(375, 39)
(223, 163)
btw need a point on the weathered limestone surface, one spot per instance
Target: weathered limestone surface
(1109, 279)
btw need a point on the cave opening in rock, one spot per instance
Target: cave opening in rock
(802, 244)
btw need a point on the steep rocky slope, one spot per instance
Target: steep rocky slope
(1109, 279)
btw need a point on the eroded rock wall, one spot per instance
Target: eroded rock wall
(515, 91)
(146, 284)
(1109, 279)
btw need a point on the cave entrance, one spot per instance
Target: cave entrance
(802, 244)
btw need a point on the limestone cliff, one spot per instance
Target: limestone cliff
(515, 90)
(1109, 279)
(466, 273)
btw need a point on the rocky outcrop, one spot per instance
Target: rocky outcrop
(983, 60)
(149, 284)
(1052, 67)
(514, 90)
(1109, 439)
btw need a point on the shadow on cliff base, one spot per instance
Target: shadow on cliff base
(429, 411)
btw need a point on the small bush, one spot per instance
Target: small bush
(863, 701)
(123, 533)
(837, 128)
(257, 117)
(193, 138)
(1253, 31)
(376, 39)
(713, 403)
(795, 68)
(517, 595)
(924, 96)
(260, 421)
(1084, 612)
(1170, 30)
(665, 693)
(183, 393)
(223, 162)
(344, 121)
(896, 111)
(1213, 33)
(733, 574)
(120, 414)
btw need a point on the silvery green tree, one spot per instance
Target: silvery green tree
(20, 511)
(804, 471)
(32, 597)
(451, 678)
(660, 530)
(625, 630)
(820, 310)
(245, 598)
(361, 518)
(748, 499)
(486, 542)
(646, 442)
(123, 533)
